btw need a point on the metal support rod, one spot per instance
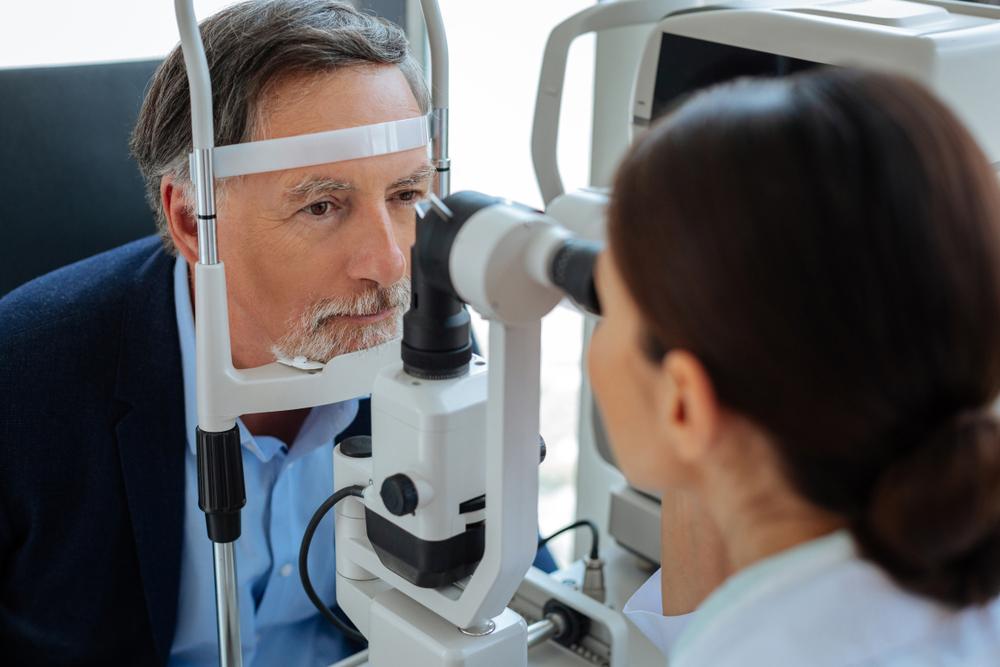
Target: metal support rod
(230, 653)
(215, 501)
(541, 631)
(438, 41)
(203, 180)
(442, 163)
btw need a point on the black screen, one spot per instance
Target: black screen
(687, 65)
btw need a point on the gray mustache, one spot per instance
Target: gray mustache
(395, 297)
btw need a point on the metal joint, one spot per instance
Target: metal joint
(203, 179)
(439, 132)
(479, 629)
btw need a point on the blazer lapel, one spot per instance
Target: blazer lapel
(151, 439)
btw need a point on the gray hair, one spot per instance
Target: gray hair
(250, 47)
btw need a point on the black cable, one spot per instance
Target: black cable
(317, 516)
(582, 522)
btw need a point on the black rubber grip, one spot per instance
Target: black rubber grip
(221, 490)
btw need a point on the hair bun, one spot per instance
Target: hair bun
(933, 519)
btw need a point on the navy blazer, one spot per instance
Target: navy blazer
(92, 463)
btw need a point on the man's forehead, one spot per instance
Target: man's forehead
(348, 98)
(344, 98)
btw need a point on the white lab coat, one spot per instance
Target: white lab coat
(817, 604)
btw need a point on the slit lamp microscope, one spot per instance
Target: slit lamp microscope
(436, 524)
(436, 513)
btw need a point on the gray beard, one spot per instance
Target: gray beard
(318, 336)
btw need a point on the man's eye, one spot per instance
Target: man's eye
(410, 196)
(319, 209)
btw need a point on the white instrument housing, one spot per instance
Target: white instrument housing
(951, 47)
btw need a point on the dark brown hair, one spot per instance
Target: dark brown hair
(250, 46)
(827, 246)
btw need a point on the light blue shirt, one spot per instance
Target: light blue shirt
(284, 486)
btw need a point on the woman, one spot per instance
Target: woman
(801, 344)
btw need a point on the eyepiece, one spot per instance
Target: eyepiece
(437, 341)
(572, 271)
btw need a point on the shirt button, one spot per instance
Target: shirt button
(286, 570)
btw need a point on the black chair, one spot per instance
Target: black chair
(68, 188)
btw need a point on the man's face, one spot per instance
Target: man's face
(317, 258)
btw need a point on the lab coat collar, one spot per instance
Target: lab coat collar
(762, 579)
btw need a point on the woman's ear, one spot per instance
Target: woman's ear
(691, 412)
(180, 219)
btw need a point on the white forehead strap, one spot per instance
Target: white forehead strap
(304, 150)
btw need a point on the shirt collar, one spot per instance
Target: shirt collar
(320, 427)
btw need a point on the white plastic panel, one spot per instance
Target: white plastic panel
(881, 12)
(951, 47)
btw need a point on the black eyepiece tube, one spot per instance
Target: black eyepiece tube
(437, 341)
(436, 329)
(572, 271)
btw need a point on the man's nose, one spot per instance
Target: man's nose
(377, 255)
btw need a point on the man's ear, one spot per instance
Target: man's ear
(181, 223)
(692, 413)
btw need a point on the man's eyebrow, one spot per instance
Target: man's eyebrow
(311, 187)
(419, 177)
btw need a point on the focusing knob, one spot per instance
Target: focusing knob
(357, 447)
(399, 494)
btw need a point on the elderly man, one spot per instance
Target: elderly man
(103, 552)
